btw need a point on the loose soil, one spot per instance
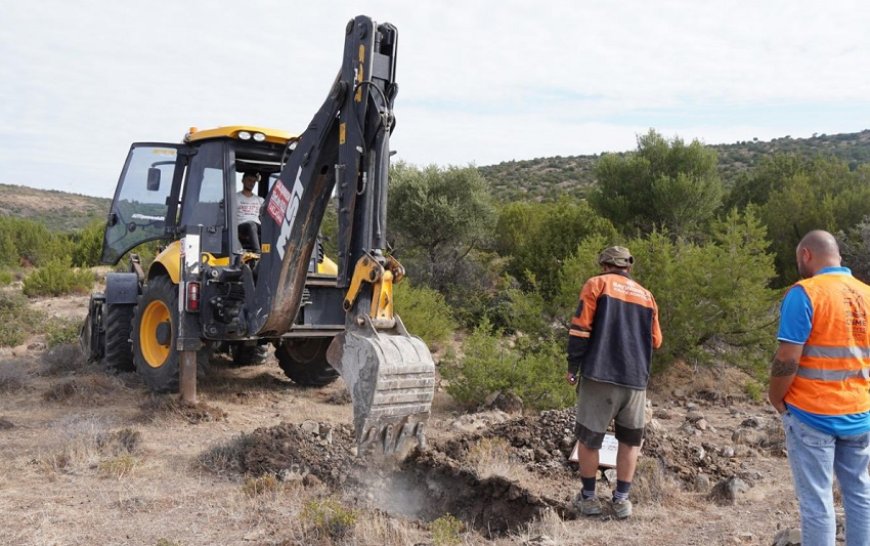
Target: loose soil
(87, 458)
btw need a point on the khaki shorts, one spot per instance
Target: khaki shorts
(600, 403)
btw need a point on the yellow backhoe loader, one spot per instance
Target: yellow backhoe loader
(221, 282)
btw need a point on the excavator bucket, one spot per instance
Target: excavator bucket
(391, 378)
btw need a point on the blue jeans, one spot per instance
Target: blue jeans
(815, 457)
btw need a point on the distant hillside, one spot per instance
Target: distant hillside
(546, 178)
(58, 210)
(540, 179)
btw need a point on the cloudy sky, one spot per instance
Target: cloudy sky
(480, 81)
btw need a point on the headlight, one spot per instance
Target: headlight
(244, 135)
(259, 137)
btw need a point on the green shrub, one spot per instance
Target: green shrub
(28, 242)
(57, 278)
(329, 517)
(532, 371)
(60, 330)
(8, 249)
(88, 245)
(424, 313)
(446, 531)
(146, 251)
(522, 312)
(17, 320)
(714, 299)
(536, 237)
(6, 277)
(754, 390)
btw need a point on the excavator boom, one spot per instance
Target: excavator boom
(390, 374)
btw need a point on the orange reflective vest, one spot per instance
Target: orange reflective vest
(833, 377)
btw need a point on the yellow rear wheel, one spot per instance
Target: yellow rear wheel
(156, 333)
(155, 329)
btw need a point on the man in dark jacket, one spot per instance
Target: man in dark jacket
(610, 345)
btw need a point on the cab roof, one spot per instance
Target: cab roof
(233, 131)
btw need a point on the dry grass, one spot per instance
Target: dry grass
(339, 397)
(377, 528)
(651, 483)
(86, 479)
(446, 531)
(713, 383)
(90, 390)
(265, 484)
(119, 442)
(224, 458)
(169, 407)
(73, 446)
(118, 467)
(62, 359)
(328, 518)
(79, 444)
(14, 374)
(241, 385)
(549, 525)
(491, 457)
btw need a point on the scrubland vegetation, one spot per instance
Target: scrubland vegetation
(717, 256)
(492, 280)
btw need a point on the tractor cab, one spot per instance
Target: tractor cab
(167, 190)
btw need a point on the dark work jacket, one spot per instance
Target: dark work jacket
(614, 331)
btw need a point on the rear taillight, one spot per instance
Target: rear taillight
(192, 297)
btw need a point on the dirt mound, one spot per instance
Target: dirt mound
(427, 485)
(289, 451)
(544, 443)
(686, 459)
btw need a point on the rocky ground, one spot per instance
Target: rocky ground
(88, 458)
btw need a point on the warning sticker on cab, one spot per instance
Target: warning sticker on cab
(278, 202)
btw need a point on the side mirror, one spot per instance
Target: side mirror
(153, 179)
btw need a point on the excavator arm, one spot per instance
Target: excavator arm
(345, 149)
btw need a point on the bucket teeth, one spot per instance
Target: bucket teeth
(391, 378)
(393, 438)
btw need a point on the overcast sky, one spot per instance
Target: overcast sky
(480, 82)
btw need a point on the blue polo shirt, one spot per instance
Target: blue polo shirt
(796, 322)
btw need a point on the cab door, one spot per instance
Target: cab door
(145, 198)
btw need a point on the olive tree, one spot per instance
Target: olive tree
(664, 184)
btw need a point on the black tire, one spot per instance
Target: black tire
(304, 361)
(247, 355)
(155, 329)
(118, 319)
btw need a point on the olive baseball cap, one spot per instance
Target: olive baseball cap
(618, 256)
